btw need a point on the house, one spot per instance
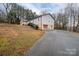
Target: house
(44, 22)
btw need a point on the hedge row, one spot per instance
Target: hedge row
(33, 26)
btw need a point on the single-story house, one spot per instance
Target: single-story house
(44, 22)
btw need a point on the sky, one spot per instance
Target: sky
(38, 7)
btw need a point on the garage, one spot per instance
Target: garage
(45, 26)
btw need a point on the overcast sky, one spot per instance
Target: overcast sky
(38, 7)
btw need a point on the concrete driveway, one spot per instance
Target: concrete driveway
(56, 43)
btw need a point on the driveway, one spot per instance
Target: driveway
(56, 43)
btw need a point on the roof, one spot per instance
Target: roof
(47, 14)
(43, 15)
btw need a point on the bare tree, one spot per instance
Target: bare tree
(44, 12)
(71, 10)
(7, 7)
(77, 27)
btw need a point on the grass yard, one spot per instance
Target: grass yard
(17, 39)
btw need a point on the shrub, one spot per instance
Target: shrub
(30, 24)
(33, 26)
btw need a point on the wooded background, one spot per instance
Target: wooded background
(66, 18)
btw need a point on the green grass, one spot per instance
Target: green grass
(16, 39)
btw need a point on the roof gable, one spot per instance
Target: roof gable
(44, 15)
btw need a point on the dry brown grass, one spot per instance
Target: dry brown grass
(16, 39)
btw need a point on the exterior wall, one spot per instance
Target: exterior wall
(47, 19)
(38, 22)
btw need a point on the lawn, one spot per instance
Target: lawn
(17, 39)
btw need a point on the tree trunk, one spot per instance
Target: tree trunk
(77, 28)
(74, 24)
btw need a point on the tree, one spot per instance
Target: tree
(44, 12)
(61, 20)
(7, 7)
(71, 10)
(14, 13)
(77, 27)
